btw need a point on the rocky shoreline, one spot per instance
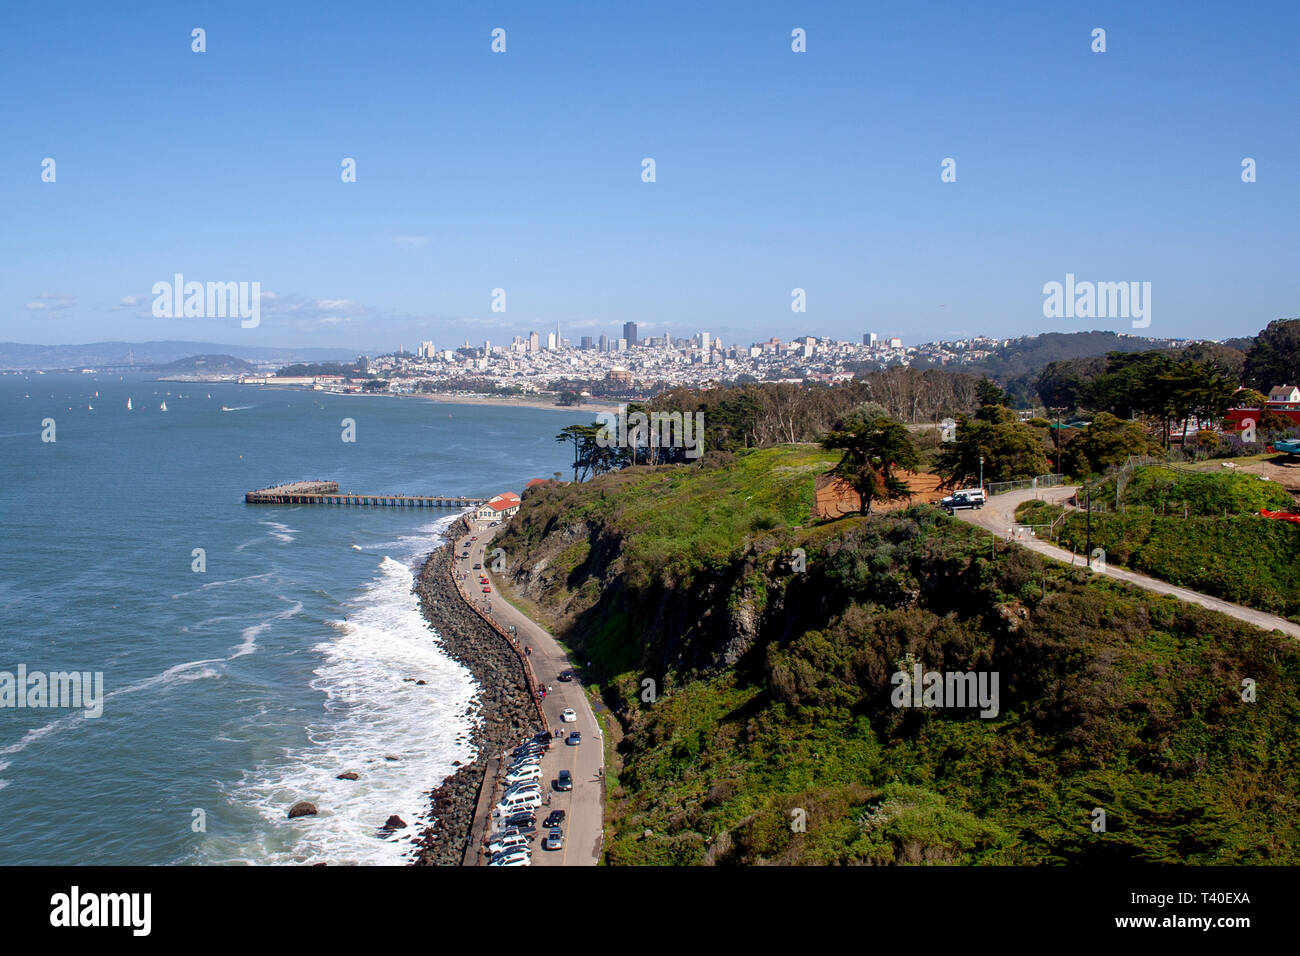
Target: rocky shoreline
(505, 712)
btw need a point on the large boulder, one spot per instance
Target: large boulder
(303, 808)
(348, 775)
(395, 823)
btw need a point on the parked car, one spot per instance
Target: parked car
(521, 820)
(553, 819)
(554, 840)
(964, 498)
(515, 856)
(524, 774)
(477, 565)
(486, 589)
(564, 781)
(565, 676)
(525, 788)
(573, 739)
(506, 842)
(530, 832)
(514, 803)
(569, 715)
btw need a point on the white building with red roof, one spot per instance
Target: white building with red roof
(498, 506)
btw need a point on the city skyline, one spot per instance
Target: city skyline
(497, 191)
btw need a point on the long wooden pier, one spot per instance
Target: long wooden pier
(327, 493)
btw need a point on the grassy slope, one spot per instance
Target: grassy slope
(1222, 548)
(1117, 700)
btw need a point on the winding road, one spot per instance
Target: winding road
(584, 805)
(998, 516)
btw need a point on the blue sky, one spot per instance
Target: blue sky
(522, 170)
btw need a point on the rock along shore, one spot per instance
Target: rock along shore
(505, 712)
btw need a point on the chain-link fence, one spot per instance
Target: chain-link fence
(1042, 481)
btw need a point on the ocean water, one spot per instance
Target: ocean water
(231, 693)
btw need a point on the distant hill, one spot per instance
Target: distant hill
(17, 355)
(1030, 354)
(206, 365)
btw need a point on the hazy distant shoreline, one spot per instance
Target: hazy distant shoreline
(450, 398)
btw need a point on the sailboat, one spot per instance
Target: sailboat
(163, 406)
(128, 404)
(90, 408)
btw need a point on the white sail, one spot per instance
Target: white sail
(128, 404)
(162, 407)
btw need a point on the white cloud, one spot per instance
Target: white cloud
(51, 302)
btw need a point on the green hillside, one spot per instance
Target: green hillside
(771, 735)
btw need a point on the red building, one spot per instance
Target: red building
(1282, 399)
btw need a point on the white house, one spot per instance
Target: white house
(498, 506)
(1284, 395)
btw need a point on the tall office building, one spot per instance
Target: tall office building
(586, 341)
(534, 342)
(629, 333)
(604, 343)
(552, 340)
(705, 341)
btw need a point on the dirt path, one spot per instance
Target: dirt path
(998, 516)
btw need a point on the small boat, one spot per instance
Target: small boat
(90, 408)
(356, 547)
(128, 404)
(162, 407)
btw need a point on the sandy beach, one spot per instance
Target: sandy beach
(461, 398)
(454, 398)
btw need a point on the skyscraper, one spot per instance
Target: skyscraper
(586, 341)
(552, 341)
(629, 333)
(604, 343)
(534, 342)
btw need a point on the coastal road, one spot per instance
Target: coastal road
(584, 805)
(998, 516)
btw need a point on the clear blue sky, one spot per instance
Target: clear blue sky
(522, 170)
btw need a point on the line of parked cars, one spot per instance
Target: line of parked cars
(511, 845)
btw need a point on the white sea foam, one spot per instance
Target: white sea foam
(371, 711)
(280, 532)
(177, 673)
(221, 584)
(250, 634)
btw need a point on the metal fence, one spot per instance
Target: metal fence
(1042, 481)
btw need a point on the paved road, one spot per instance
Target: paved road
(998, 516)
(584, 805)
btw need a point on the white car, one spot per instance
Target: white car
(515, 856)
(519, 803)
(523, 773)
(526, 762)
(569, 716)
(506, 842)
(522, 789)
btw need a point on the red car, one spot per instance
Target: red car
(487, 590)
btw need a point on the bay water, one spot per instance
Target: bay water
(233, 691)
